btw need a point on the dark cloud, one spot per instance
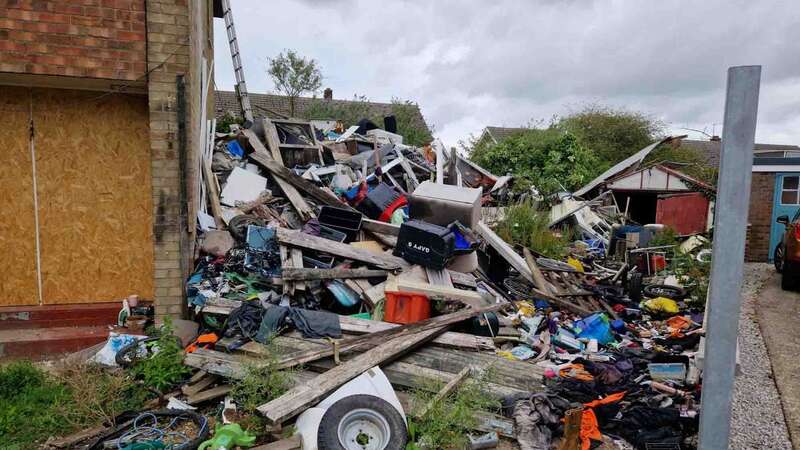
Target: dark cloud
(476, 63)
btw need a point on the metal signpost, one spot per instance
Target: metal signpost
(730, 226)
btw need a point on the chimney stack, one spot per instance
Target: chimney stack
(328, 94)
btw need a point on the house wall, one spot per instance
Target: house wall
(78, 38)
(760, 216)
(179, 36)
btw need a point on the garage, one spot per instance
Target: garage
(77, 219)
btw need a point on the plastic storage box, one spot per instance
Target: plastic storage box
(340, 219)
(406, 307)
(443, 204)
(425, 244)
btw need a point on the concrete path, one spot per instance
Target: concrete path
(778, 315)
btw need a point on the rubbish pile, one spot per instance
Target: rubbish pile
(362, 269)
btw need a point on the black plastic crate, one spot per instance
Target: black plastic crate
(425, 244)
(344, 220)
(377, 200)
(331, 233)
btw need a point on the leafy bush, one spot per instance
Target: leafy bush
(447, 422)
(261, 383)
(524, 225)
(611, 134)
(164, 369)
(550, 159)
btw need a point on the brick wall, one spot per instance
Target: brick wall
(79, 38)
(760, 217)
(179, 35)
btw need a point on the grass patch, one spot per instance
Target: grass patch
(35, 404)
(523, 224)
(446, 424)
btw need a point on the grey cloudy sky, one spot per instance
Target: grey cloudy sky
(475, 63)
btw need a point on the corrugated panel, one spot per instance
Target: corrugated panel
(18, 284)
(95, 206)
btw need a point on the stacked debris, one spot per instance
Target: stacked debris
(362, 269)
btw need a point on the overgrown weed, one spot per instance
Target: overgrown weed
(447, 423)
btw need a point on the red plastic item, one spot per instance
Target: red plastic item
(657, 263)
(406, 307)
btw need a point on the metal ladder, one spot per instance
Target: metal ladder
(241, 87)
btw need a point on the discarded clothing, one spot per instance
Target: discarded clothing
(312, 324)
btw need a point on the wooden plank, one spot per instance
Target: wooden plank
(536, 273)
(290, 443)
(409, 371)
(446, 390)
(262, 156)
(280, 172)
(448, 339)
(293, 274)
(193, 388)
(471, 298)
(273, 142)
(301, 397)
(297, 262)
(376, 226)
(463, 279)
(209, 394)
(504, 250)
(307, 241)
(286, 264)
(213, 192)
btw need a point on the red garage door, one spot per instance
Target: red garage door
(684, 213)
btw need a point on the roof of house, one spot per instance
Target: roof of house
(277, 106)
(498, 134)
(710, 150)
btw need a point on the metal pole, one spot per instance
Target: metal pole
(730, 225)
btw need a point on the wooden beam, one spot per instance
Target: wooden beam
(376, 226)
(290, 443)
(209, 394)
(294, 274)
(303, 396)
(445, 391)
(280, 172)
(470, 298)
(296, 256)
(518, 263)
(262, 156)
(538, 278)
(448, 339)
(307, 241)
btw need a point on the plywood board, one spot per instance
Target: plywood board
(95, 208)
(18, 284)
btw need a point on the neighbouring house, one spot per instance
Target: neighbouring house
(495, 135)
(278, 106)
(773, 191)
(102, 105)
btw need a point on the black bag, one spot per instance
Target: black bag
(425, 244)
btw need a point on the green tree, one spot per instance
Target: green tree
(611, 134)
(294, 75)
(550, 159)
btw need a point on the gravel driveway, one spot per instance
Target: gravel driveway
(757, 419)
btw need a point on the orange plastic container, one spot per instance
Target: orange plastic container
(406, 307)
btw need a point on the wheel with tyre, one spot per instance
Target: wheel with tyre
(664, 290)
(362, 422)
(777, 257)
